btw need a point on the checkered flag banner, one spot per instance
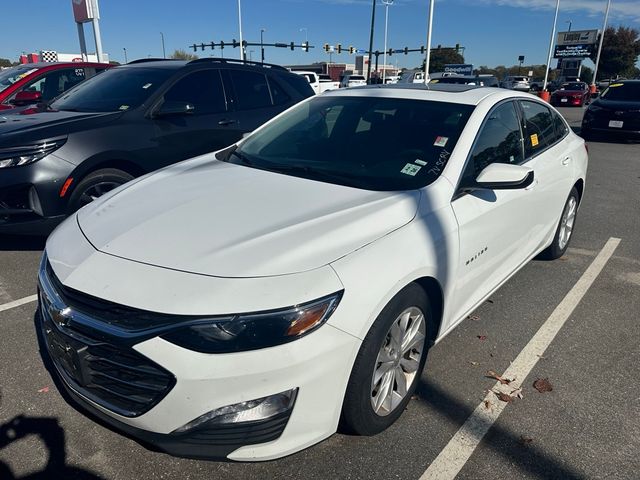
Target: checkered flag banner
(48, 56)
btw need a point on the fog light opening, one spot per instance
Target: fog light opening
(249, 411)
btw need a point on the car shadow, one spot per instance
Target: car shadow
(48, 429)
(514, 447)
(13, 243)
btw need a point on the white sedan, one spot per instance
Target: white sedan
(239, 304)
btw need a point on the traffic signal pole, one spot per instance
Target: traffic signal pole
(373, 21)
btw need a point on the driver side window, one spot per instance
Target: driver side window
(499, 141)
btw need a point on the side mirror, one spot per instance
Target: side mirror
(174, 108)
(26, 97)
(505, 176)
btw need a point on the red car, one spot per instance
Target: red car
(40, 82)
(571, 93)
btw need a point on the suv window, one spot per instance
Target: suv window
(499, 141)
(251, 90)
(201, 89)
(539, 131)
(278, 95)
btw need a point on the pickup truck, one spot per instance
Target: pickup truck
(319, 83)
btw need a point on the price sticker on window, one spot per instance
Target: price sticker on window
(534, 140)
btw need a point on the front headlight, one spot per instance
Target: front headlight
(254, 330)
(25, 154)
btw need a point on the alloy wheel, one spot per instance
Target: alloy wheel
(568, 219)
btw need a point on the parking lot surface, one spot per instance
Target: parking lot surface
(585, 427)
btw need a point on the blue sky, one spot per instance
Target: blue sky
(494, 32)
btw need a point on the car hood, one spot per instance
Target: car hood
(17, 125)
(214, 218)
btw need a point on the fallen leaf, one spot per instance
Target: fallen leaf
(482, 337)
(494, 375)
(489, 301)
(503, 396)
(44, 390)
(487, 404)
(541, 357)
(474, 363)
(525, 440)
(491, 354)
(542, 385)
(516, 392)
(473, 317)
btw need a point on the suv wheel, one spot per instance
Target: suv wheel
(95, 185)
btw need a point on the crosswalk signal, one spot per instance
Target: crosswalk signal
(326, 47)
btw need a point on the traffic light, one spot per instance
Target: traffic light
(457, 47)
(306, 46)
(390, 52)
(195, 47)
(422, 49)
(351, 50)
(202, 47)
(293, 47)
(406, 50)
(339, 48)
(326, 47)
(221, 44)
(234, 43)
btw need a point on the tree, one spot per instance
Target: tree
(5, 62)
(183, 55)
(586, 74)
(441, 57)
(620, 52)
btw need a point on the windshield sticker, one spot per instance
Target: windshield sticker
(441, 141)
(147, 85)
(420, 162)
(410, 169)
(616, 85)
(124, 107)
(534, 140)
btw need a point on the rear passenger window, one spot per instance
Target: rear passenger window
(251, 90)
(539, 126)
(277, 93)
(561, 126)
(201, 89)
(497, 142)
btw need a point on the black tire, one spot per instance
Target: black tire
(358, 415)
(96, 184)
(558, 248)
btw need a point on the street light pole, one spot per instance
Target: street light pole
(164, 54)
(427, 57)
(569, 22)
(306, 33)
(387, 3)
(125, 55)
(242, 55)
(551, 41)
(373, 21)
(262, 30)
(604, 29)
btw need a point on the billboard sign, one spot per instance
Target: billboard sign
(85, 10)
(574, 51)
(459, 68)
(578, 37)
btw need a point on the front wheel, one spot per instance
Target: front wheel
(95, 185)
(389, 364)
(565, 228)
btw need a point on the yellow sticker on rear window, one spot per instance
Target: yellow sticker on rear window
(534, 140)
(616, 85)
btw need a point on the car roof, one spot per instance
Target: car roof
(206, 61)
(60, 64)
(449, 92)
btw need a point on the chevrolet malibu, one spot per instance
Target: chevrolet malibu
(242, 304)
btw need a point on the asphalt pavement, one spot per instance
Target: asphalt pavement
(587, 426)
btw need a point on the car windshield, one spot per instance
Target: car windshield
(116, 89)
(372, 143)
(11, 75)
(629, 92)
(573, 86)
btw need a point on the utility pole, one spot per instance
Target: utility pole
(125, 55)
(373, 21)
(164, 54)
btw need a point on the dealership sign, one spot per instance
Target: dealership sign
(578, 37)
(459, 68)
(573, 51)
(85, 10)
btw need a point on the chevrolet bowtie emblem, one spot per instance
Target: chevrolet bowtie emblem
(61, 318)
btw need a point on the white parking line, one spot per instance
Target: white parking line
(17, 303)
(452, 458)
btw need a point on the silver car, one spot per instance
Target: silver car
(516, 83)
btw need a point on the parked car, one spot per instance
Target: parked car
(128, 121)
(536, 84)
(41, 82)
(327, 83)
(615, 112)
(351, 80)
(317, 84)
(240, 304)
(572, 93)
(481, 81)
(519, 83)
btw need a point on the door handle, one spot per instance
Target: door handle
(227, 122)
(566, 161)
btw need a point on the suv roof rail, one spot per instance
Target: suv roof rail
(234, 60)
(145, 60)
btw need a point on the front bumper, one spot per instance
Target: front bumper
(29, 196)
(318, 365)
